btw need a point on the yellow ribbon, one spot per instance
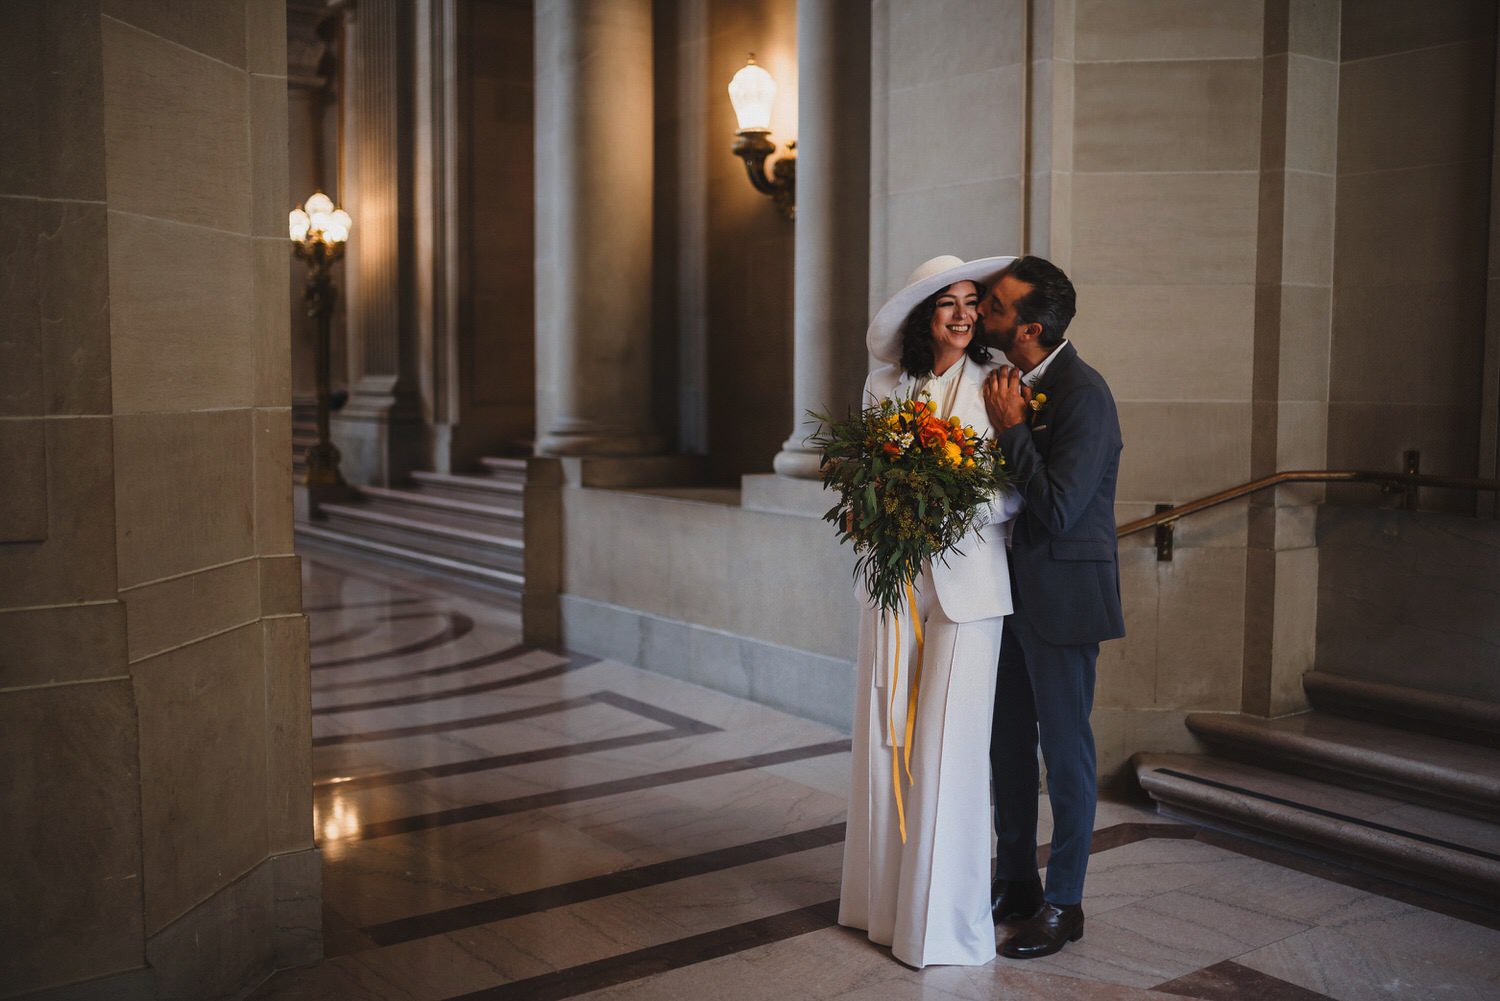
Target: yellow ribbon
(911, 707)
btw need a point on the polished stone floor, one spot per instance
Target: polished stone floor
(502, 822)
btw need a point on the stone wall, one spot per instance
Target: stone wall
(153, 668)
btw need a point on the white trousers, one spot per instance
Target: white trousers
(928, 899)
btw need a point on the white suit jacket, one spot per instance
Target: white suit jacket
(974, 583)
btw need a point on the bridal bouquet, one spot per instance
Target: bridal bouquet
(910, 486)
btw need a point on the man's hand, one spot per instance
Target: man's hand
(1006, 398)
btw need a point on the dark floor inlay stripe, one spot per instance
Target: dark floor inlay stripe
(451, 693)
(376, 603)
(366, 628)
(624, 881)
(1229, 981)
(1341, 817)
(558, 797)
(459, 626)
(663, 958)
(466, 723)
(468, 664)
(472, 765)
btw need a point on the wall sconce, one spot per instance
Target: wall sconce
(753, 92)
(319, 232)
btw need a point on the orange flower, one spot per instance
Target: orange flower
(932, 433)
(891, 448)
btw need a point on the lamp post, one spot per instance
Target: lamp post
(319, 232)
(753, 92)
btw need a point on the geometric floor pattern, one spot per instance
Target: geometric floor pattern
(504, 822)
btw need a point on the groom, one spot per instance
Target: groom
(1055, 419)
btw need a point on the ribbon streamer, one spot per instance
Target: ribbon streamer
(899, 758)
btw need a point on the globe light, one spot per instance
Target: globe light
(319, 202)
(299, 224)
(752, 92)
(337, 230)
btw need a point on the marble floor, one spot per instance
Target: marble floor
(504, 822)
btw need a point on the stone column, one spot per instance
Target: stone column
(381, 430)
(593, 229)
(830, 287)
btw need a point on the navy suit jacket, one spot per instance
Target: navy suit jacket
(1064, 562)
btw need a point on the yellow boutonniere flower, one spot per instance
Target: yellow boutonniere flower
(1038, 402)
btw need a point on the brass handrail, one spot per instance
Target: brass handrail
(1408, 481)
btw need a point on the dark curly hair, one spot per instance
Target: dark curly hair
(917, 355)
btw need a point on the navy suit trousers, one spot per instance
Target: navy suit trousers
(1044, 689)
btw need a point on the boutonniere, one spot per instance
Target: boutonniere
(1037, 402)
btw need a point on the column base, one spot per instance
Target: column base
(798, 463)
(598, 442)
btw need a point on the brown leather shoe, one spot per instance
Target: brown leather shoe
(1015, 899)
(1052, 928)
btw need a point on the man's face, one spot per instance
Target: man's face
(997, 312)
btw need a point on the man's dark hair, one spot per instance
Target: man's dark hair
(917, 355)
(1051, 301)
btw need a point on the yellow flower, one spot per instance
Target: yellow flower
(952, 453)
(1038, 401)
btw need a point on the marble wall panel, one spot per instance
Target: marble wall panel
(1200, 631)
(273, 480)
(1198, 346)
(270, 195)
(1401, 226)
(1295, 633)
(280, 585)
(1380, 27)
(297, 885)
(1180, 115)
(265, 37)
(933, 41)
(1418, 108)
(23, 456)
(1178, 451)
(1307, 240)
(22, 389)
(52, 130)
(1168, 29)
(1313, 28)
(77, 562)
(1301, 435)
(70, 904)
(203, 751)
(216, 28)
(289, 739)
(1374, 435)
(181, 315)
(1306, 314)
(184, 492)
(940, 138)
(270, 305)
(173, 612)
(173, 112)
(1164, 229)
(225, 943)
(1398, 589)
(968, 220)
(1312, 95)
(1126, 672)
(1384, 335)
(63, 643)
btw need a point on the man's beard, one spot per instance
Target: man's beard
(1001, 340)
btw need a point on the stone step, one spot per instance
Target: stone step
(415, 533)
(1430, 849)
(1456, 717)
(496, 522)
(426, 500)
(475, 489)
(504, 468)
(1417, 767)
(503, 581)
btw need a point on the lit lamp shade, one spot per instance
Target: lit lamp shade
(299, 224)
(752, 92)
(337, 230)
(319, 202)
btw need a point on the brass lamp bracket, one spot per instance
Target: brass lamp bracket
(755, 147)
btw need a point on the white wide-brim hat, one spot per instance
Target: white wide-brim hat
(884, 336)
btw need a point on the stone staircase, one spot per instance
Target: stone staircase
(1394, 781)
(465, 527)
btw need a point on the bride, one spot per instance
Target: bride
(928, 898)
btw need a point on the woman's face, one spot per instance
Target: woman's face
(953, 320)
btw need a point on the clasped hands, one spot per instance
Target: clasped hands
(1006, 398)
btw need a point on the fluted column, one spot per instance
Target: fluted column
(593, 229)
(830, 287)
